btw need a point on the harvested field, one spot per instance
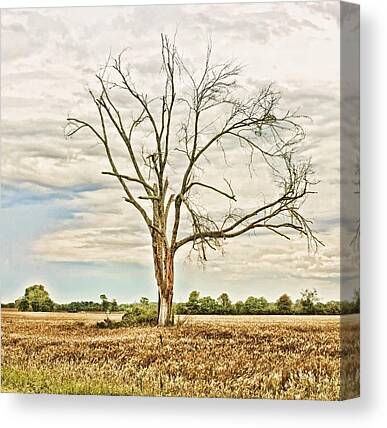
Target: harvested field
(282, 357)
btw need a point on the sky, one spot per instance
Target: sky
(66, 226)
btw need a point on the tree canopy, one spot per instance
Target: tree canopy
(36, 299)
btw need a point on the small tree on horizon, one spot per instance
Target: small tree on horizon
(114, 305)
(36, 298)
(105, 305)
(356, 301)
(144, 301)
(225, 304)
(193, 302)
(284, 304)
(308, 301)
(208, 305)
(255, 305)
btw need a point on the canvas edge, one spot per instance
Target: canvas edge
(349, 195)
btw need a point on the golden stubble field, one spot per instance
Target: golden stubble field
(277, 357)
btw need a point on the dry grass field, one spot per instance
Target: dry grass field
(281, 357)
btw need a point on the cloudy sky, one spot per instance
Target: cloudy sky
(66, 226)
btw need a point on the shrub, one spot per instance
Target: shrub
(332, 307)
(180, 308)
(108, 323)
(8, 305)
(23, 304)
(140, 314)
(137, 314)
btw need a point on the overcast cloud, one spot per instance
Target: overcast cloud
(64, 212)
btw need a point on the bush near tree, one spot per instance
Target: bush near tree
(143, 313)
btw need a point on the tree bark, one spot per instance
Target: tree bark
(165, 289)
(164, 274)
(165, 311)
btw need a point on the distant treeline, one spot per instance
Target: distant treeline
(37, 299)
(83, 306)
(308, 304)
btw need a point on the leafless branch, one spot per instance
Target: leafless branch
(256, 124)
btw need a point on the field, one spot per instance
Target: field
(282, 357)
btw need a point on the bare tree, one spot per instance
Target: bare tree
(210, 114)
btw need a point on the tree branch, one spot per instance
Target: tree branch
(125, 177)
(257, 123)
(197, 183)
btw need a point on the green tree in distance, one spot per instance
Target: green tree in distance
(208, 305)
(308, 301)
(225, 304)
(36, 299)
(193, 302)
(284, 304)
(108, 305)
(254, 305)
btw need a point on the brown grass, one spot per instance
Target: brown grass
(238, 357)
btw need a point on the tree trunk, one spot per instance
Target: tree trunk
(164, 273)
(165, 311)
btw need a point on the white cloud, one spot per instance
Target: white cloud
(44, 78)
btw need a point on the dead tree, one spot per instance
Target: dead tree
(210, 113)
